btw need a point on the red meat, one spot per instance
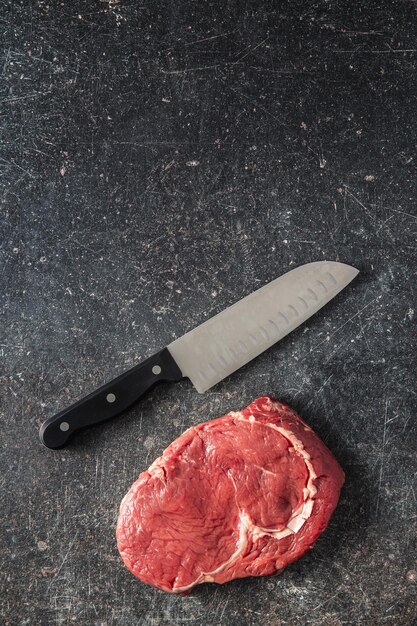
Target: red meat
(242, 495)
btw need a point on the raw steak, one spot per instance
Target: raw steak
(242, 495)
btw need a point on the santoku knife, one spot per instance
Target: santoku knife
(213, 350)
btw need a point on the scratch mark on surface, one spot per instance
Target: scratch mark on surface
(13, 164)
(251, 50)
(383, 223)
(224, 608)
(6, 61)
(381, 471)
(318, 606)
(193, 43)
(364, 334)
(320, 389)
(361, 204)
(404, 213)
(389, 51)
(259, 106)
(344, 324)
(97, 466)
(63, 560)
(192, 69)
(31, 95)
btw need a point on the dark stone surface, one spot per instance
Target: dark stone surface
(160, 160)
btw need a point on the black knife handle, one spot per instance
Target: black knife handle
(109, 400)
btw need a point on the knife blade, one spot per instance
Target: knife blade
(213, 350)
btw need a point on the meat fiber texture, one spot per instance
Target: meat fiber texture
(242, 495)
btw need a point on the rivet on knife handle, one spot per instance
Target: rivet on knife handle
(109, 400)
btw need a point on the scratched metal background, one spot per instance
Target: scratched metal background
(158, 161)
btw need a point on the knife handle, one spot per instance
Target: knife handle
(109, 400)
